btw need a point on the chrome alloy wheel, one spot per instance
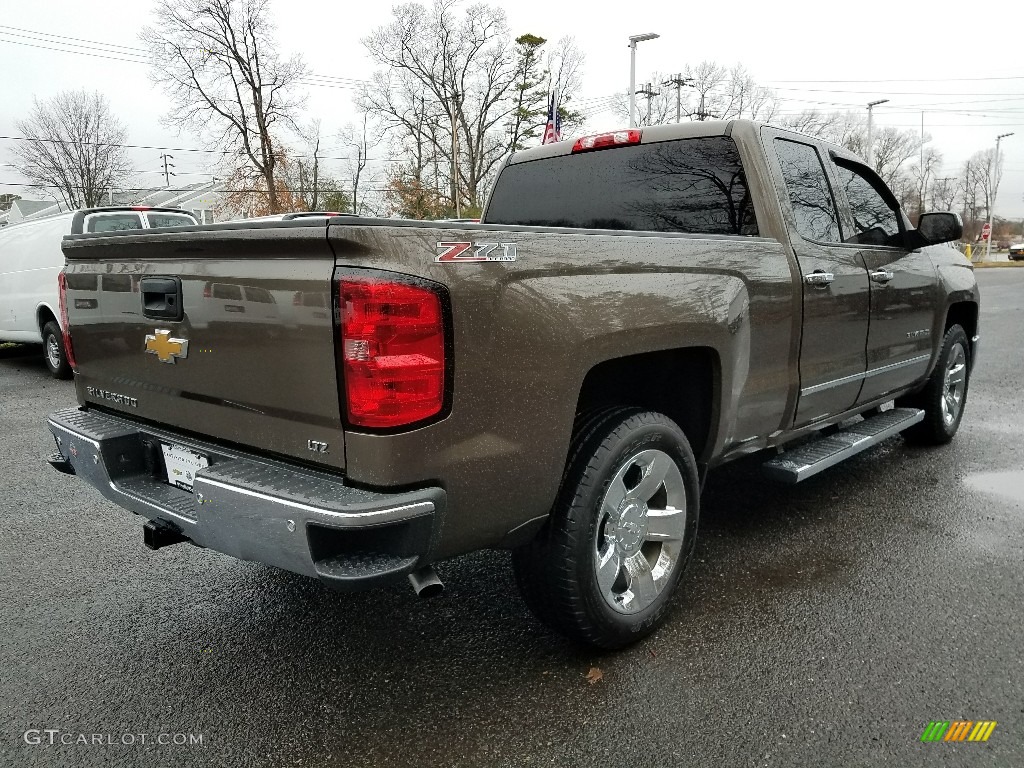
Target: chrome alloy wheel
(53, 351)
(955, 384)
(640, 534)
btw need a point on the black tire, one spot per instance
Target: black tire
(54, 354)
(938, 428)
(557, 572)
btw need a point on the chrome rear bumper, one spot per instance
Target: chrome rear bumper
(251, 507)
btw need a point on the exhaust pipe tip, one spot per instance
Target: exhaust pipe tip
(426, 583)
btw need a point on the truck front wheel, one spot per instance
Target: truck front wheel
(604, 568)
(945, 395)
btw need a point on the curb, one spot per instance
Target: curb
(997, 264)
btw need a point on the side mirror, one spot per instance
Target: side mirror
(940, 227)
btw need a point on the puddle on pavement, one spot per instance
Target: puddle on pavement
(1009, 485)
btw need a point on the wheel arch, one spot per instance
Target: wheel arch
(682, 383)
(44, 314)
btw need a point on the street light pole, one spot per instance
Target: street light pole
(633, 40)
(871, 132)
(995, 188)
(870, 129)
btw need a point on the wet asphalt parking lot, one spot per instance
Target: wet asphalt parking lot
(823, 625)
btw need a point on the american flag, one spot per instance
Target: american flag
(553, 130)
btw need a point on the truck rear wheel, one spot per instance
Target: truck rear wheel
(604, 568)
(945, 395)
(53, 351)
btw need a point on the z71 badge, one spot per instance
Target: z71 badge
(475, 252)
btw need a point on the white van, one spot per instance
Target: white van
(31, 259)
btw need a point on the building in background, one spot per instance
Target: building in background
(202, 200)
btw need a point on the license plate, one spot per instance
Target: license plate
(182, 465)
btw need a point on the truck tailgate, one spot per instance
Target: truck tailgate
(251, 361)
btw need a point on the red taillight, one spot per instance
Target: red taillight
(62, 281)
(392, 349)
(605, 140)
(207, 291)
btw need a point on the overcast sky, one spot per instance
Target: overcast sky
(811, 55)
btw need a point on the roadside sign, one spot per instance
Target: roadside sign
(986, 230)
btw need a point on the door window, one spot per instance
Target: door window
(809, 193)
(876, 220)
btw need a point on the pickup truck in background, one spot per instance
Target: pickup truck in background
(633, 310)
(31, 258)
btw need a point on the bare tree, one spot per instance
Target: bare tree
(457, 94)
(75, 148)
(923, 172)
(217, 61)
(944, 193)
(969, 184)
(988, 174)
(705, 91)
(359, 145)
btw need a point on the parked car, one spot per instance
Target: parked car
(634, 310)
(31, 259)
(1016, 252)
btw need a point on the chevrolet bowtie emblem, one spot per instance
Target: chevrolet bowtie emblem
(161, 344)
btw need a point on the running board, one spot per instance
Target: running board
(820, 454)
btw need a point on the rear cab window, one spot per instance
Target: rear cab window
(113, 222)
(695, 186)
(169, 220)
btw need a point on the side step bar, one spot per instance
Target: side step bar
(820, 454)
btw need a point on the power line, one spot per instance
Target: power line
(134, 55)
(175, 149)
(165, 189)
(907, 80)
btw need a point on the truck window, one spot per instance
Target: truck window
(114, 222)
(117, 283)
(809, 194)
(169, 220)
(691, 185)
(227, 291)
(258, 295)
(875, 220)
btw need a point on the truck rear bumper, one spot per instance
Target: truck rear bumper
(253, 508)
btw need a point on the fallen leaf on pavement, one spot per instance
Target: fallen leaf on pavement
(595, 675)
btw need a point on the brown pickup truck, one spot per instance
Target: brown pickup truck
(357, 399)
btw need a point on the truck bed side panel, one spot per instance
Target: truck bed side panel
(527, 332)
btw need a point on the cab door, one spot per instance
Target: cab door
(834, 281)
(903, 282)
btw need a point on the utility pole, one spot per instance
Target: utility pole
(650, 94)
(995, 188)
(167, 172)
(871, 133)
(701, 114)
(633, 40)
(924, 180)
(679, 81)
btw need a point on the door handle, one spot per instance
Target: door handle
(819, 278)
(881, 276)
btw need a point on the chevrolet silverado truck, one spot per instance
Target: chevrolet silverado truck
(634, 310)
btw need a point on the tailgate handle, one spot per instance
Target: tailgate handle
(161, 298)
